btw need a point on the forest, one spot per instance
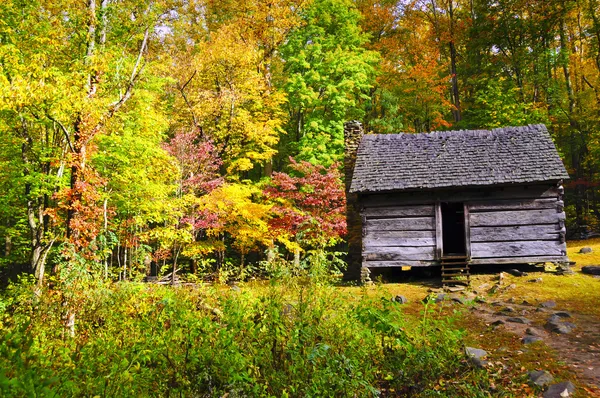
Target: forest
(143, 136)
(201, 142)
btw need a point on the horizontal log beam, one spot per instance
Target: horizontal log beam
(398, 211)
(517, 249)
(400, 242)
(377, 234)
(400, 224)
(516, 217)
(515, 233)
(461, 195)
(519, 260)
(512, 204)
(405, 263)
(387, 256)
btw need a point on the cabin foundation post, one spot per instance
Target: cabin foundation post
(353, 132)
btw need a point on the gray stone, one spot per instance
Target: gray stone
(548, 304)
(530, 339)
(536, 280)
(400, 299)
(559, 328)
(455, 289)
(560, 390)
(459, 300)
(540, 378)
(497, 323)
(440, 297)
(562, 314)
(533, 332)
(515, 272)
(585, 250)
(510, 287)
(519, 319)
(476, 356)
(591, 269)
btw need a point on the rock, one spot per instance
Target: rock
(548, 304)
(476, 356)
(514, 272)
(438, 298)
(560, 390)
(533, 332)
(510, 287)
(497, 323)
(496, 304)
(540, 378)
(591, 269)
(455, 289)
(558, 328)
(483, 286)
(536, 280)
(585, 250)
(400, 299)
(562, 314)
(530, 339)
(480, 299)
(459, 300)
(519, 319)
(525, 302)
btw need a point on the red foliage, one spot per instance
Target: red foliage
(198, 162)
(310, 201)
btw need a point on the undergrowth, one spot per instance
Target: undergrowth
(292, 338)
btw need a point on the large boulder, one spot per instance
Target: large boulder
(591, 269)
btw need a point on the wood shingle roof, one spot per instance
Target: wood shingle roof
(510, 155)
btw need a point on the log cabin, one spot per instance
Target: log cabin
(455, 199)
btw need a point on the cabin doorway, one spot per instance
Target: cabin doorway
(453, 229)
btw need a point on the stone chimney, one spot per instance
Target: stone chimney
(353, 132)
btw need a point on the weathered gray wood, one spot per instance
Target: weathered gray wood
(520, 249)
(519, 260)
(516, 217)
(398, 211)
(439, 241)
(376, 234)
(401, 224)
(398, 256)
(515, 233)
(467, 231)
(514, 204)
(461, 195)
(400, 249)
(405, 263)
(369, 241)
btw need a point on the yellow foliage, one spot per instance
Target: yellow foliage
(239, 216)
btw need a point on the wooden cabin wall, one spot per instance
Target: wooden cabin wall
(394, 236)
(515, 224)
(518, 230)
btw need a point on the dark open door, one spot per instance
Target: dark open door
(453, 229)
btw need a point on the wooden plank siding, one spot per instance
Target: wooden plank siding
(516, 230)
(397, 236)
(518, 224)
